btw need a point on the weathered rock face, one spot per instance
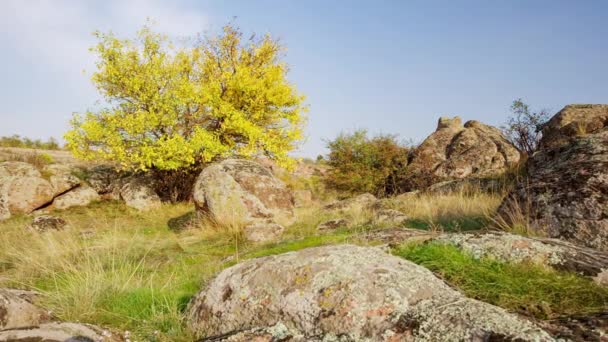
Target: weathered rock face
(59, 332)
(389, 216)
(138, 193)
(45, 223)
(454, 151)
(241, 191)
(15, 168)
(361, 202)
(566, 191)
(79, 197)
(347, 293)
(334, 224)
(61, 178)
(261, 232)
(18, 312)
(23, 194)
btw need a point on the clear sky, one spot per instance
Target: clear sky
(388, 66)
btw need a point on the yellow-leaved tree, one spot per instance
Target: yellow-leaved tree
(173, 107)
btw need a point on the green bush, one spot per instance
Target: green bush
(362, 164)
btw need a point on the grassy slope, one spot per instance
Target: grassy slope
(133, 273)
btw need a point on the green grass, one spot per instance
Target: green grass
(529, 289)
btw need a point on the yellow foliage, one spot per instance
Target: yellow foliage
(171, 107)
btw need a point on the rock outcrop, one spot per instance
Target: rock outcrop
(17, 311)
(23, 194)
(61, 178)
(59, 332)
(347, 293)
(455, 151)
(16, 168)
(566, 192)
(138, 193)
(237, 191)
(79, 197)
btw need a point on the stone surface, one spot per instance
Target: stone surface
(334, 224)
(389, 216)
(79, 197)
(61, 178)
(17, 311)
(302, 198)
(361, 202)
(565, 194)
(23, 194)
(238, 191)
(455, 151)
(138, 193)
(261, 232)
(16, 168)
(104, 179)
(45, 223)
(59, 332)
(348, 293)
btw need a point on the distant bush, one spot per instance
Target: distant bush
(523, 128)
(362, 164)
(23, 142)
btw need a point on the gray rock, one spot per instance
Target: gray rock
(138, 193)
(389, 216)
(348, 293)
(360, 202)
(565, 193)
(17, 311)
(333, 224)
(61, 178)
(238, 191)
(261, 231)
(16, 168)
(60, 332)
(79, 197)
(45, 223)
(24, 194)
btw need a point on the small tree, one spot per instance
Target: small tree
(171, 108)
(523, 128)
(362, 164)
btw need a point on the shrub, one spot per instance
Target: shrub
(174, 107)
(523, 128)
(23, 142)
(361, 164)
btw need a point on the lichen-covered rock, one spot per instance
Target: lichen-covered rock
(348, 293)
(333, 224)
(260, 231)
(17, 311)
(102, 178)
(79, 197)
(61, 178)
(45, 223)
(389, 216)
(455, 151)
(16, 168)
(59, 332)
(360, 202)
(302, 198)
(138, 193)
(565, 194)
(24, 194)
(238, 191)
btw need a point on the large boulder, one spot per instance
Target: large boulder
(347, 293)
(79, 197)
(61, 178)
(237, 191)
(60, 332)
(138, 192)
(16, 311)
(455, 151)
(565, 194)
(23, 194)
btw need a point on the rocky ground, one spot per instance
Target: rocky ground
(91, 253)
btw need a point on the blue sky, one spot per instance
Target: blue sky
(388, 66)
